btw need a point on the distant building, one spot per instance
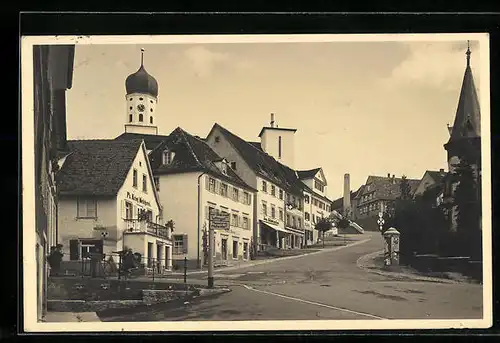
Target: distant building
(430, 179)
(108, 202)
(53, 75)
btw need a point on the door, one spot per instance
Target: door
(224, 248)
(150, 255)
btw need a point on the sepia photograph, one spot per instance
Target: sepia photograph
(256, 182)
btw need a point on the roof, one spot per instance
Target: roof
(437, 176)
(339, 203)
(152, 141)
(97, 167)
(141, 82)
(309, 190)
(256, 144)
(385, 187)
(307, 174)
(191, 154)
(467, 122)
(275, 128)
(263, 164)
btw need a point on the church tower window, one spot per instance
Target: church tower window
(141, 117)
(151, 120)
(130, 118)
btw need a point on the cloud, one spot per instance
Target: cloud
(433, 65)
(203, 60)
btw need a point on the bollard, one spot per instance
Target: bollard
(185, 269)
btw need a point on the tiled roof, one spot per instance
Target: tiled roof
(437, 176)
(97, 167)
(339, 203)
(307, 174)
(257, 145)
(265, 165)
(387, 188)
(191, 154)
(309, 190)
(152, 141)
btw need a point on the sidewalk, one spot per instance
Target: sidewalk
(369, 264)
(65, 317)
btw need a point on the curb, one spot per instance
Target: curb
(258, 263)
(361, 263)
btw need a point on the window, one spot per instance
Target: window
(167, 157)
(131, 107)
(245, 251)
(141, 99)
(211, 185)
(134, 178)
(223, 189)
(131, 99)
(281, 214)
(264, 186)
(314, 218)
(264, 208)
(273, 211)
(128, 210)
(318, 185)
(86, 208)
(144, 183)
(306, 199)
(279, 147)
(299, 222)
(273, 190)
(288, 219)
(233, 165)
(246, 198)
(294, 221)
(151, 101)
(211, 210)
(306, 216)
(281, 194)
(235, 249)
(141, 117)
(129, 118)
(245, 223)
(151, 118)
(327, 207)
(217, 139)
(234, 219)
(180, 244)
(157, 183)
(235, 194)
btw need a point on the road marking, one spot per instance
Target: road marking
(313, 303)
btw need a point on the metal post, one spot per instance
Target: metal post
(211, 257)
(185, 269)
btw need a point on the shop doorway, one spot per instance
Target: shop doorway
(224, 248)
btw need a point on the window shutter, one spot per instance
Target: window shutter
(185, 244)
(207, 182)
(124, 215)
(74, 253)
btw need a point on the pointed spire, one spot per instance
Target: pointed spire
(142, 57)
(468, 54)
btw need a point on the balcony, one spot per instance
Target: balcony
(144, 226)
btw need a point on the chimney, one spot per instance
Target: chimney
(347, 193)
(272, 119)
(388, 175)
(441, 171)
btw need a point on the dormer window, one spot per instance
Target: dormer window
(217, 139)
(167, 157)
(223, 168)
(233, 165)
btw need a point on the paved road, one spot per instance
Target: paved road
(328, 285)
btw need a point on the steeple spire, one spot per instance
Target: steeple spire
(142, 57)
(468, 54)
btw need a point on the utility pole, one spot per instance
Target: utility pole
(210, 251)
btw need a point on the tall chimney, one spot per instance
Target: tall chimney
(389, 175)
(272, 119)
(347, 193)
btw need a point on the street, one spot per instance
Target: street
(328, 285)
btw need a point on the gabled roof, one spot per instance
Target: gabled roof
(191, 154)
(263, 164)
(467, 122)
(152, 141)
(387, 188)
(307, 174)
(317, 195)
(97, 167)
(437, 176)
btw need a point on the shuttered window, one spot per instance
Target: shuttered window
(180, 244)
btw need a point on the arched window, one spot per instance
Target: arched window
(130, 118)
(151, 120)
(151, 109)
(141, 117)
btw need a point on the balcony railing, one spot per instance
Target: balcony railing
(144, 226)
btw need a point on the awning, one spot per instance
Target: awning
(271, 226)
(294, 231)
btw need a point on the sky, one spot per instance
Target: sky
(363, 108)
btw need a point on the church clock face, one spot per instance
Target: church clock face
(140, 107)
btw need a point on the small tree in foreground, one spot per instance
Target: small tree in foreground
(323, 225)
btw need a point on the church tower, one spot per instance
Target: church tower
(141, 100)
(464, 143)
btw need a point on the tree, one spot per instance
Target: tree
(323, 225)
(405, 189)
(469, 211)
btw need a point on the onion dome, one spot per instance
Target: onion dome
(141, 81)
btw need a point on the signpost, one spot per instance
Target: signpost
(216, 221)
